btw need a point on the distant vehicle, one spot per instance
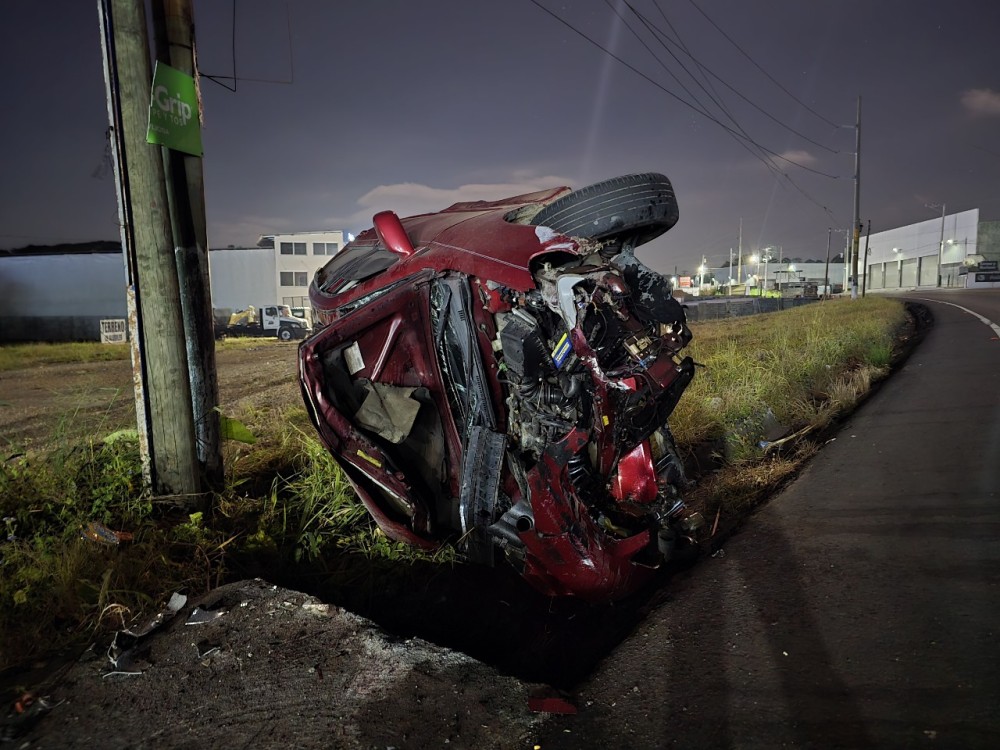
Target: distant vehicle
(498, 375)
(303, 313)
(271, 320)
(799, 290)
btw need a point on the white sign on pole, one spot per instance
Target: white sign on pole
(114, 331)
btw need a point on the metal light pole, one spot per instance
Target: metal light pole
(941, 242)
(826, 272)
(864, 265)
(730, 294)
(857, 205)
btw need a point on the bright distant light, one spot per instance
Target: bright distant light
(350, 237)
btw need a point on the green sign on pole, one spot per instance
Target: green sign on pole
(173, 111)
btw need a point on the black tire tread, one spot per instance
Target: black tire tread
(642, 205)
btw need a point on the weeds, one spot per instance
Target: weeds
(800, 365)
(287, 502)
(26, 356)
(23, 356)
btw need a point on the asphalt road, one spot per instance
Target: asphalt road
(861, 607)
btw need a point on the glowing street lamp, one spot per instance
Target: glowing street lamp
(767, 257)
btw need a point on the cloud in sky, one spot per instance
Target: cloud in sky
(799, 156)
(410, 198)
(981, 102)
(405, 198)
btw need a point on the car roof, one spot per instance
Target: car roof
(482, 238)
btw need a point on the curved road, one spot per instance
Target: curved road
(861, 607)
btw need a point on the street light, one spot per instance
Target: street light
(767, 257)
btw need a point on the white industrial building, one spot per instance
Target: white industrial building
(932, 253)
(62, 294)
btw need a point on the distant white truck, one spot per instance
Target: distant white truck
(268, 321)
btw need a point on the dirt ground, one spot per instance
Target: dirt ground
(59, 401)
(279, 668)
(254, 665)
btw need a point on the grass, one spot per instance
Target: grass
(84, 547)
(64, 574)
(18, 356)
(24, 356)
(787, 368)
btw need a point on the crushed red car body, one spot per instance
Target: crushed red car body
(499, 375)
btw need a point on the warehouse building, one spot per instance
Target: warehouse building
(63, 292)
(955, 250)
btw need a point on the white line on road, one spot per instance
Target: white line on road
(973, 313)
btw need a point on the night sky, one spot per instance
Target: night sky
(411, 106)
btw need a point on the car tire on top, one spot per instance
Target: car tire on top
(635, 207)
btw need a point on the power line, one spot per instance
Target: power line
(684, 47)
(670, 93)
(706, 69)
(218, 79)
(680, 43)
(757, 65)
(767, 162)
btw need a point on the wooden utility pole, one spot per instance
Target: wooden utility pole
(149, 247)
(173, 26)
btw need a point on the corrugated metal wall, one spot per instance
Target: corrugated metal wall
(62, 285)
(64, 297)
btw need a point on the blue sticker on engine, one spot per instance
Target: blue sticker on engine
(562, 350)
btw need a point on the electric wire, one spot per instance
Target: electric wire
(732, 132)
(708, 81)
(757, 65)
(216, 78)
(670, 93)
(767, 161)
(709, 71)
(747, 140)
(716, 98)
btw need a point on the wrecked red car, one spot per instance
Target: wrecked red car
(499, 375)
